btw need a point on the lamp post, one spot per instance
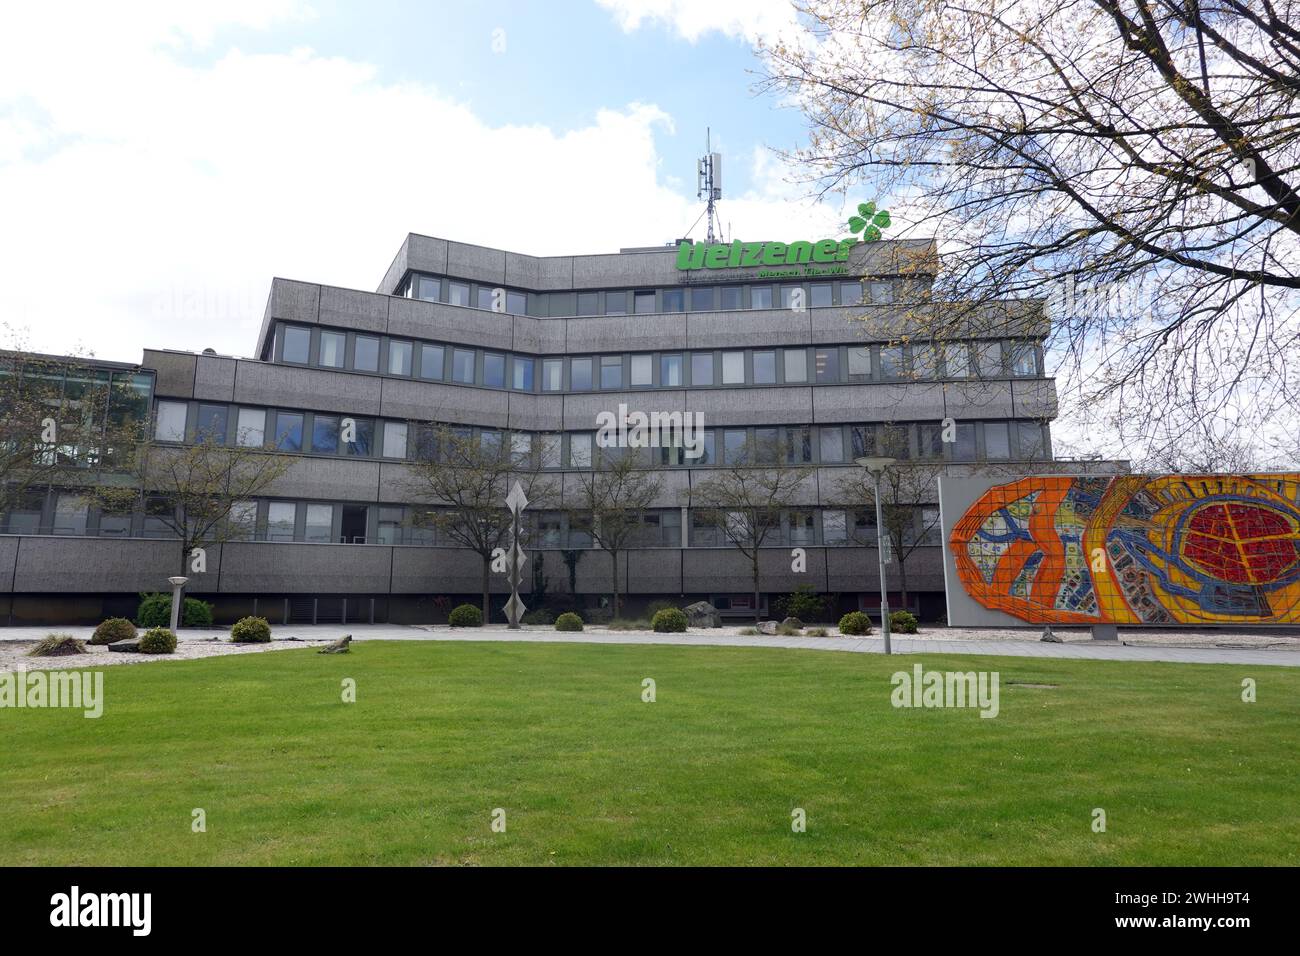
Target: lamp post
(177, 583)
(876, 467)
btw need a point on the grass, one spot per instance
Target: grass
(558, 736)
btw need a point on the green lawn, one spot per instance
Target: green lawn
(557, 735)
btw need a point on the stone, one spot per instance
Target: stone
(125, 647)
(1049, 637)
(702, 614)
(793, 622)
(767, 627)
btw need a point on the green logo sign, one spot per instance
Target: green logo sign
(751, 255)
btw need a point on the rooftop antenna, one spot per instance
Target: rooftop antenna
(709, 170)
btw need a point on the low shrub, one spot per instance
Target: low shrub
(654, 607)
(749, 631)
(58, 645)
(855, 623)
(155, 610)
(597, 615)
(816, 632)
(251, 630)
(805, 603)
(113, 630)
(669, 621)
(158, 640)
(785, 630)
(465, 615)
(540, 616)
(629, 624)
(568, 621)
(902, 622)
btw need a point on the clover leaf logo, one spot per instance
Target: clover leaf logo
(869, 222)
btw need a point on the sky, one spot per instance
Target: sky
(160, 162)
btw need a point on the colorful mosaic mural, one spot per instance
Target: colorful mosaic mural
(1135, 549)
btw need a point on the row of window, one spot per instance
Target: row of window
(333, 434)
(319, 522)
(823, 365)
(693, 298)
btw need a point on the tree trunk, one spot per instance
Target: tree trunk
(487, 588)
(754, 565)
(902, 578)
(614, 557)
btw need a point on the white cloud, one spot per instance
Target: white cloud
(750, 20)
(149, 198)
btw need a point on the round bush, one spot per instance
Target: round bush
(540, 616)
(902, 622)
(155, 610)
(158, 640)
(113, 630)
(855, 623)
(195, 613)
(465, 615)
(568, 621)
(669, 621)
(251, 630)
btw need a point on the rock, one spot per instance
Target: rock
(793, 622)
(338, 647)
(125, 647)
(1049, 637)
(702, 614)
(767, 627)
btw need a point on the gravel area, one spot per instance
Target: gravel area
(13, 654)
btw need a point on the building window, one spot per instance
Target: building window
(730, 297)
(964, 447)
(365, 354)
(431, 359)
(859, 363)
(734, 446)
(170, 422)
(458, 293)
(550, 451)
(288, 431)
(702, 299)
(996, 442)
(281, 516)
(819, 295)
(796, 365)
(516, 303)
(1024, 361)
(670, 371)
(580, 374)
(394, 439)
(211, 424)
(325, 434)
(645, 302)
(319, 524)
(611, 371)
(389, 530)
(589, 303)
(788, 297)
(486, 298)
(956, 360)
(798, 445)
(882, 293)
(802, 528)
(494, 370)
(862, 439)
(989, 359)
(297, 345)
(930, 441)
(242, 520)
(399, 358)
(851, 293)
(674, 300)
(733, 368)
(891, 362)
(70, 513)
(896, 441)
(462, 366)
(580, 450)
(701, 368)
(429, 289)
(834, 528)
(925, 362)
(1029, 436)
(521, 448)
(764, 368)
(760, 297)
(159, 518)
(828, 365)
(363, 439)
(550, 529)
(250, 431)
(642, 370)
(333, 345)
(832, 445)
(616, 303)
(552, 375)
(521, 371)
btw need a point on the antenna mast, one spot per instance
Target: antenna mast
(709, 172)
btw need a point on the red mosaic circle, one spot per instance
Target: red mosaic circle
(1241, 543)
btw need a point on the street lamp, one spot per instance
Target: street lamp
(177, 583)
(876, 467)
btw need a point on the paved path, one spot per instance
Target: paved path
(1096, 651)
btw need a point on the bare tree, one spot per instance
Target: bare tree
(201, 492)
(1132, 162)
(745, 499)
(613, 495)
(467, 478)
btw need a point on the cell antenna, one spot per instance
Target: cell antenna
(709, 171)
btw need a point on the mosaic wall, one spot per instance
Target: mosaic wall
(1135, 549)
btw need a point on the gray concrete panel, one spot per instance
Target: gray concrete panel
(282, 568)
(748, 329)
(348, 309)
(175, 378)
(214, 378)
(456, 324)
(288, 386)
(626, 333)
